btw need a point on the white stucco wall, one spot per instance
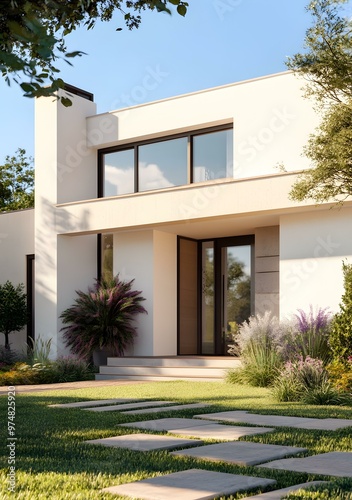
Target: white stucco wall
(77, 270)
(149, 257)
(65, 170)
(271, 121)
(16, 241)
(312, 248)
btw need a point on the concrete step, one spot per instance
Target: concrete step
(196, 368)
(206, 361)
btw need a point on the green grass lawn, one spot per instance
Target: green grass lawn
(52, 461)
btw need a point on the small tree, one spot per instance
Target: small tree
(13, 309)
(341, 331)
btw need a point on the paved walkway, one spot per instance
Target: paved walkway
(70, 385)
(199, 484)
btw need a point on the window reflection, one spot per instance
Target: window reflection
(167, 163)
(119, 173)
(162, 164)
(107, 256)
(213, 156)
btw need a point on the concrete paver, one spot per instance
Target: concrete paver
(220, 432)
(279, 494)
(192, 484)
(165, 424)
(167, 408)
(240, 452)
(130, 405)
(335, 463)
(97, 402)
(144, 442)
(277, 420)
(197, 428)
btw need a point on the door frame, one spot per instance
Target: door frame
(219, 244)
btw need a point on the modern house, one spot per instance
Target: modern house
(184, 195)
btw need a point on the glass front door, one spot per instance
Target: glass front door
(227, 294)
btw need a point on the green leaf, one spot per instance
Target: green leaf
(66, 102)
(182, 10)
(75, 53)
(27, 87)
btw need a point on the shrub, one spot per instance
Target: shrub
(306, 380)
(341, 331)
(39, 351)
(260, 328)
(286, 386)
(102, 318)
(257, 342)
(70, 369)
(22, 373)
(311, 334)
(341, 374)
(64, 369)
(325, 394)
(8, 357)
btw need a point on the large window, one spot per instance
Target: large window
(174, 161)
(162, 164)
(119, 173)
(212, 156)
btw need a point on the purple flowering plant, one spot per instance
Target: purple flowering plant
(310, 337)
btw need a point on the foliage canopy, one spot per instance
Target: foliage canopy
(32, 35)
(17, 182)
(327, 68)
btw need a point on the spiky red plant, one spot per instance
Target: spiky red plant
(102, 318)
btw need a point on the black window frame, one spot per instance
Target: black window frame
(135, 146)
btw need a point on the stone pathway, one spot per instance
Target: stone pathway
(328, 424)
(136, 404)
(199, 484)
(198, 428)
(335, 463)
(192, 484)
(98, 402)
(167, 408)
(165, 424)
(144, 442)
(240, 452)
(278, 494)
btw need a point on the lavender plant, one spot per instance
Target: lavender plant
(312, 335)
(102, 318)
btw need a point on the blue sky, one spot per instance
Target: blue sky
(218, 42)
